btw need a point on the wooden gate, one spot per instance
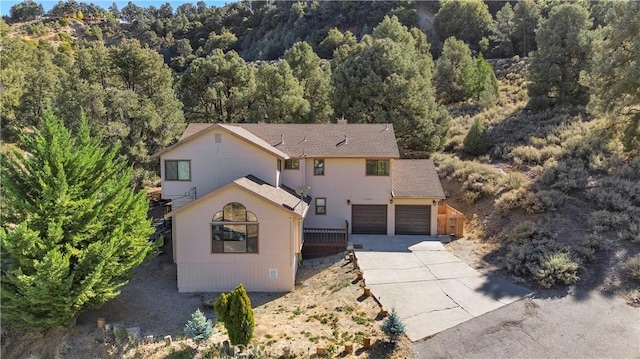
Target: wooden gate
(450, 221)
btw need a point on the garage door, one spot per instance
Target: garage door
(369, 219)
(413, 219)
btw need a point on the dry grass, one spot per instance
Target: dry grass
(326, 309)
(556, 166)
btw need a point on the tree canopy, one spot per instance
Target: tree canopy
(386, 79)
(614, 76)
(450, 71)
(468, 21)
(73, 227)
(564, 49)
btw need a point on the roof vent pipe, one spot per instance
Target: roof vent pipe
(281, 141)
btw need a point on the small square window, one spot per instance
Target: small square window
(318, 167)
(321, 206)
(291, 164)
(177, 170)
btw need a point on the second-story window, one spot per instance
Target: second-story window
(291, 164)
(177, 170)
(318, 167)
(377, 167)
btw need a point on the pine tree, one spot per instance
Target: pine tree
(475, 143)
(234, 310)
(564, 51)
(614, 76)
(73, 227)
(387, 79)
(450, 71)
(392, 326)
(481, 84)
(198, 328)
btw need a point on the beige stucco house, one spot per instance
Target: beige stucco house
(236, 214)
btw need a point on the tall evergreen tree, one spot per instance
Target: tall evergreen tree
(387, 78)
(481, 84)
(504, 31)
(614, 76)
(314, 77)
(450, 71)
(73, 228)
(126, 91)
(217, 88)
(469, 21)
(564, 49)
(279, 98)
(526, 15)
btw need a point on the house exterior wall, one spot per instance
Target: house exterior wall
(417, 201)
(200, 270)
(215, 164)
(344, 179)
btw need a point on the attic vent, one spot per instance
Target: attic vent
(342, 121)
(343, 142)
(273, 274)
(218, 138)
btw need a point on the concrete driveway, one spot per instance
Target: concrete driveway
(430, 289)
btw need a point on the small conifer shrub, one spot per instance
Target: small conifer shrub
(198, 328)
(234, 310)
(393, 326)
(475, 143)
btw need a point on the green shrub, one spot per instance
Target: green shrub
(528, 231)
(526, 155)
(632, 267)
(511, 200)
(63, 36)
(530, 201)
(475, 177)
(392, 326)
(64, 21)
(475, 143)
(533, 251)
(198, 328)
(556, 267)
(544, 201)
(603, 220)
(234, 310)
(565, 176)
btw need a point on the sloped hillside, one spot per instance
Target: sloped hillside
(553, 202)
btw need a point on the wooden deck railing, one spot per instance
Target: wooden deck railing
(320, 242)
(450, 221)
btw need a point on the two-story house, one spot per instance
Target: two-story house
(236, 214)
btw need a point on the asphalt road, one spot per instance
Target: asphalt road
(583, 325)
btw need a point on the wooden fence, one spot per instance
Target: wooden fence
(450, 221)
(321, 242)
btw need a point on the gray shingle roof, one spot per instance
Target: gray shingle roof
(195, 129)
(281, 196)
(416, 178)
(320, 140)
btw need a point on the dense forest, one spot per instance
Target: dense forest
(139, 74)
(530, 109)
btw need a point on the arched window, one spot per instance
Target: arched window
(234, 230)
